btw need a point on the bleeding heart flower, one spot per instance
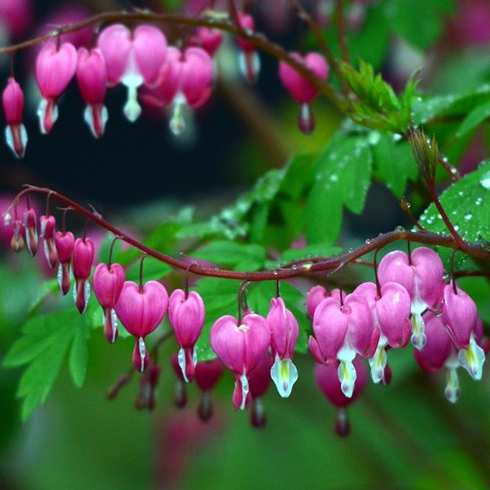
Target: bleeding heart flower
(141, 309)
(240, 346)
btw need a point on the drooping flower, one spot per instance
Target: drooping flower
(249, 60)
(83, 258)
(132, 58)
(30, 225)
(186, 78)
(55, 67)
(64, 242)
(47, 226)
(421, 275)
(391, 314)
(343, 331)
(92, 76)
(284, 335)
(240, 346)
(13, 107)
(208, 39)
(186, 314)
(302, 90)
(141, 309)
(108, 282)
(460, 318)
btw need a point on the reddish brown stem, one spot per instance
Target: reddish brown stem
(304, 269)
(257, 39)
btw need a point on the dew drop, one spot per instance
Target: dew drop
(399, 229)
(333, 178)
(468, 216)
(485, 180)
(368, 241)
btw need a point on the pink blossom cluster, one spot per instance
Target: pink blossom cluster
(160, 76)
(137, 58)
(410, 301)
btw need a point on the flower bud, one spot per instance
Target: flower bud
(13, 106)
(83, 257)
(186, 314)
(55, 67)
(64, 242)
(108, 283)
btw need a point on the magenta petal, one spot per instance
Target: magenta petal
(108, 283)
(300, 89)
(429, 271)
(393, 312)
(438, 346)
(240, 347)
(330, 323)
(92, 75)
(115, 43)
(141, 311)
(186, 315)
(150, 49)
(284, 329)
(459, 314)
(394, 267)
(361, 332)
(197, 77)
(13, 102)
(55, 67)
(83, 257)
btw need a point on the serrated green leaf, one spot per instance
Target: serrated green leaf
(467, 204)
(425, 108)
(37, 336)
(45, 341)
(394, 161)
(78, 355)
(342, 176)
(474, 119)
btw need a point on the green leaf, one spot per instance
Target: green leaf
(467, 204)
(474, 119)
(78, 355)
(394, 162)
(220, 298)
(342, 176)
(45, 341)
(239, 255)
(377, 106)
(425, 108)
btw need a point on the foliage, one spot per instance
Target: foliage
(293, 228)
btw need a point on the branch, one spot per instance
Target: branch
(299, 268)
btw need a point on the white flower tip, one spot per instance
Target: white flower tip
(284, 374)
